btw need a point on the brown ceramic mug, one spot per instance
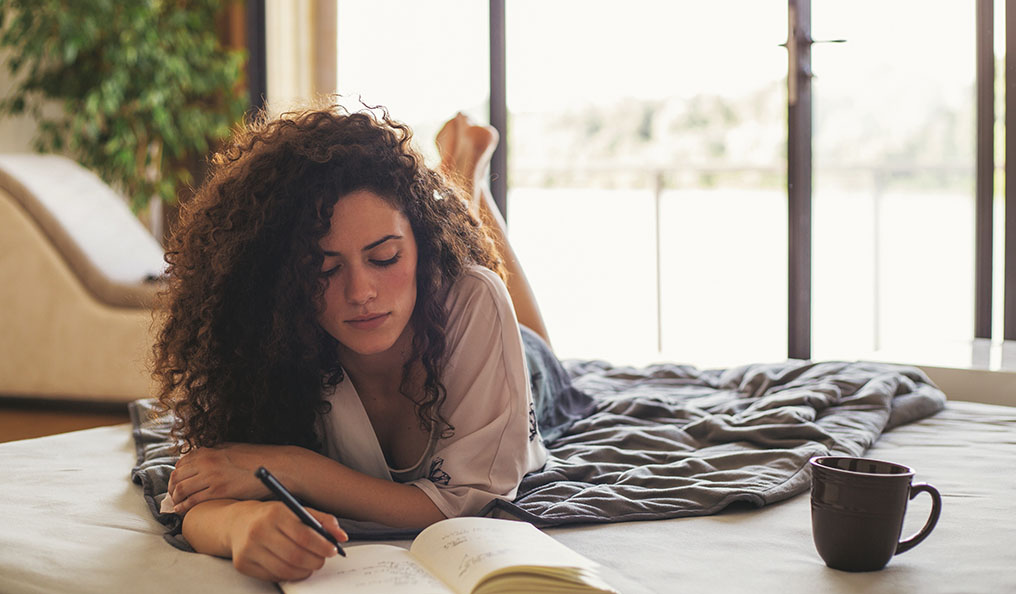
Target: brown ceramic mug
(857, 509)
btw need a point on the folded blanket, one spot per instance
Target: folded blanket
(156, 459)
(664, 441)
(671, 440)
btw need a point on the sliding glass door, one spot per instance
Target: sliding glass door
(893, 178)
(647, 146)
(647, 175)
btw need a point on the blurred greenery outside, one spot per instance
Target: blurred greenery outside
(713, 141)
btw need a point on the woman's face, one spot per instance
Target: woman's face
(370, 271)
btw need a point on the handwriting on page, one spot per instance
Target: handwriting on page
(493, 549)
(454, 538)
(471, 561)
(370, 569)
(464, 551)
(392, 574)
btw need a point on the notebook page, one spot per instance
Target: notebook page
(369, 569)
(464, 550)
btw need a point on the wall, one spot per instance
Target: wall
(301, 52)
(975, 385)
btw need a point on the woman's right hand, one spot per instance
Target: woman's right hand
(269, 542)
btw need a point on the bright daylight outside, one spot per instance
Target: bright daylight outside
(647, 164)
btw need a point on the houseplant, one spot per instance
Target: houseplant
(144, 88)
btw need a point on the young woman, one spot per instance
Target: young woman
(337, 314)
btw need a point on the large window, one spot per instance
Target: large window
(894, 203)
(646, 175)
(647, 164)
(424, 61)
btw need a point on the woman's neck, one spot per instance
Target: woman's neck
(378, 368)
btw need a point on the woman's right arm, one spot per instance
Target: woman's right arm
(264, 538)
(226, 472)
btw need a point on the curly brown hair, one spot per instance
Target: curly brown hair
(241, 355)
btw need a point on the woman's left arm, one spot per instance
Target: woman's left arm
(227, 472)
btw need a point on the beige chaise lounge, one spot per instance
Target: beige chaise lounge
(79, 276)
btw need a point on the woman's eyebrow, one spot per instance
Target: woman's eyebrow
(373, 245)
(367, 247)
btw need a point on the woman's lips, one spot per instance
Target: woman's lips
(368, 322)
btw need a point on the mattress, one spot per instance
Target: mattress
(74, 522)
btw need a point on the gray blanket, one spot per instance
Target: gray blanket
(671, 440)
(667, 440)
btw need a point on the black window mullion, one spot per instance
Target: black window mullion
(257, 68)
(1009, 306)
(985, 168)
(799, 180)
(499, 106)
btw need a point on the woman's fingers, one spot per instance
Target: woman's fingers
(308, 539)
(189, 499)
(182, 471)
(209, 473)
(179, 488)
(287, 561)
(249, 567)
(270, 567)
(276, 543)
(331, 524)
(183, 487)
(191, 491)
(189, 465)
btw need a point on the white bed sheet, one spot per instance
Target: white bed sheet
(72, 521)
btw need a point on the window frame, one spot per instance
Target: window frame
(799, 165)
(799, 146)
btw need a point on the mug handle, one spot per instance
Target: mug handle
(936, 509)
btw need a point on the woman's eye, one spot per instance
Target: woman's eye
(331, 270)
(388, 262)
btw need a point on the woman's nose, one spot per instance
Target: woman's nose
(360, 286)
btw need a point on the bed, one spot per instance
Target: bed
(73, 521)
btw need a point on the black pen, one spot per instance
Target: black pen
(282, 493)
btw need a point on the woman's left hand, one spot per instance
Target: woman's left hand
(221, 472)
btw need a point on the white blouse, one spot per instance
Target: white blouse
(488, 402)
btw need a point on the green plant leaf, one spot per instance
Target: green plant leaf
(130, 75)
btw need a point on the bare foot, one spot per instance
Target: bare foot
(466, 148)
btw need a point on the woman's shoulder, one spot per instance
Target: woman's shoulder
(477, 282)
(479, 294)
(481, 274)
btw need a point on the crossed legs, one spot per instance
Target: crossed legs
(466, 148)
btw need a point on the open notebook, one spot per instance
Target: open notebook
(461, 555)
